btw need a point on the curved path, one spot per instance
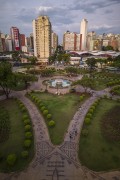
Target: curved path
(57, 162)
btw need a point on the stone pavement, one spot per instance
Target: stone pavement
(57, 162)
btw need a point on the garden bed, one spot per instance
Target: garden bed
(99, 150)
(15, 155)
(61, 108)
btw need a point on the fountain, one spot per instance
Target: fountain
(61, 83)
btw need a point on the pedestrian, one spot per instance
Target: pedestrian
(70, 137)
(76, 132)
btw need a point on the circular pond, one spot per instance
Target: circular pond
(61, 83)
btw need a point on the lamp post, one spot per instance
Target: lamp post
(57, 85)
(46, 84)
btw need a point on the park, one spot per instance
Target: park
(59, 122)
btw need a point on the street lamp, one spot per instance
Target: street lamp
(57, 85)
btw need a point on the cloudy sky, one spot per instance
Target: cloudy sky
(103, 15)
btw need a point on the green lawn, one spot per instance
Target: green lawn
(100, 84)
(20, 86)
(62, 109)
(95, 151)
(16, 138)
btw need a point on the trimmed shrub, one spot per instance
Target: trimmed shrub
(85, 132)
(27, 127)
(27, 143)
(24, 154)
(33, 97)
(51, 123)
(89, 115)
(91, 111)
(87, 121)
(42, 108)
(28, 135)
(23, 109)
(81, 98)
(49, 116)
(21, 105)
(95, 104)
(45, 112)
(11, 159)
(41, 104)
(27, 121)
(92, 107)
(25, 116)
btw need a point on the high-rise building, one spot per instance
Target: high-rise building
(54, 42)
(15, 38)
(71, 41)
(22, 40)
(8, 42)
(31, 41)
(91, 36)
(3, 42)
(1, 46)
(42, 38)
(83, 32)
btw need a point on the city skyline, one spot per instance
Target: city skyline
(103, 17)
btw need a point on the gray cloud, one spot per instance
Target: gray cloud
(91, 6)
(102, 15)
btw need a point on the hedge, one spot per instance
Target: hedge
(27, 143)
(28, 135)
(51, 123)
(24, 154)
(11, 159)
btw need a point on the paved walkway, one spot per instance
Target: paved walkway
(58, 162)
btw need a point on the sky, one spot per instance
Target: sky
(103, 15)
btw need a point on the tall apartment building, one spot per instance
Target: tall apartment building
(22, 40)
(8, 42)
(114, 42)
(54, 42)
(15, 38)
(83, 32)
(3, 42)
(1, 47)
(71, 41)
(31, 41)
(42, 38)
(91, 37)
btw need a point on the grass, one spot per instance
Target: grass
(16, 138)
(95, 151)
(99, 84)
(62, 109)
(20, 86)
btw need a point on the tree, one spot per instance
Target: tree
(26, 78)
(116, 62)
(71, 70)
(101, 61)
(32, 60)
(59, 57)
(52, 59)
(107, 48)
(7, 78)
(16, 55)
(91, 62)
(85, 82)
(66, 58)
